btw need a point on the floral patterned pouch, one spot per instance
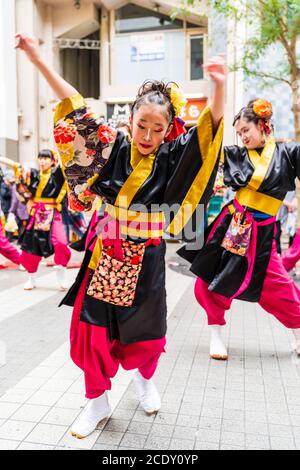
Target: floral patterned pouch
(43, 219)
(115, 281)
(238, 235)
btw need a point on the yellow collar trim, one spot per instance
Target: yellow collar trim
(142, 169)
(44, 178)
(261, 164)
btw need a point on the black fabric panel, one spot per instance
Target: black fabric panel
(146, 319)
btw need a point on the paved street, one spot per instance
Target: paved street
(250, 402)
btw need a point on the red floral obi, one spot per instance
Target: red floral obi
(117, 271)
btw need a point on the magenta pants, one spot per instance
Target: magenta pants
(7, 249)
(280, 296)
(292, 255)
(62, 252)
(99, 358)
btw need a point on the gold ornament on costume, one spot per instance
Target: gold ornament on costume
(177, 98)
(263, 108)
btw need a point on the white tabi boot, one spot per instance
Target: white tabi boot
(61, 276)
(217, 349)
(296, 332)
(30, 284)
(147, 394)
(95, 411)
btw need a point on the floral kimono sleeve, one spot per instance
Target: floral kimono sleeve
(84, 143)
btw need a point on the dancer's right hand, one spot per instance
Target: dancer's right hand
(29, 45)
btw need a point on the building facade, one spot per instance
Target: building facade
(106, 49)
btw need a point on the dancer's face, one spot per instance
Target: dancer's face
(150, 125)
(251, 134)
(45, 163)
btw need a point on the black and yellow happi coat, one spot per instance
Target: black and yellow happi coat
(261, 180)
(98, 161)
(48, 190)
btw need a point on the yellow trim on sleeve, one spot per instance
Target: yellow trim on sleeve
(197, 188)
(205, 132)
(67, 105)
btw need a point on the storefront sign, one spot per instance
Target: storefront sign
(147, 47)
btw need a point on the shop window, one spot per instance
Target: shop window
(80, 67)
(197, 46)
(133, 18)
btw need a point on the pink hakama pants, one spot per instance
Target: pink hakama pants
(62, 252)
(92, 351)
(280, 296)
(7, 249)
(292, 255)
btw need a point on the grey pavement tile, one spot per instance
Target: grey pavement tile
(256, 406)
(6, 444)
(200, 445)
(280, 430)
(190, 409)
(8, 409)
(295, 419)
(296, 431)
(233, 438)
(210, 423)
(32, 446)
(256, 416)
(133, 440)
(136, 427)
(117, 425)
(234, 414)
(255, 442)
(181, 432)
(282, 443)
(233, 425)
(212, 412)
(110, 437)
(230, 447)
(157, 443)
(16, 430)
(120, 413)
(256, 428)
(46, 434)
(234, 404)
(208, 435)
(143, 417)
(105, 447)
(163, 430)
(128, 403)
(181, 444)
(165, 418)
(187, 420)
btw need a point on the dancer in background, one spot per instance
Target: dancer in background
(239, 259)
(44, 234)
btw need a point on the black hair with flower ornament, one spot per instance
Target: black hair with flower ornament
(164, 94)
(256, 111)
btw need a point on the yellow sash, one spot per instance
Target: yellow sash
(142, 168)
